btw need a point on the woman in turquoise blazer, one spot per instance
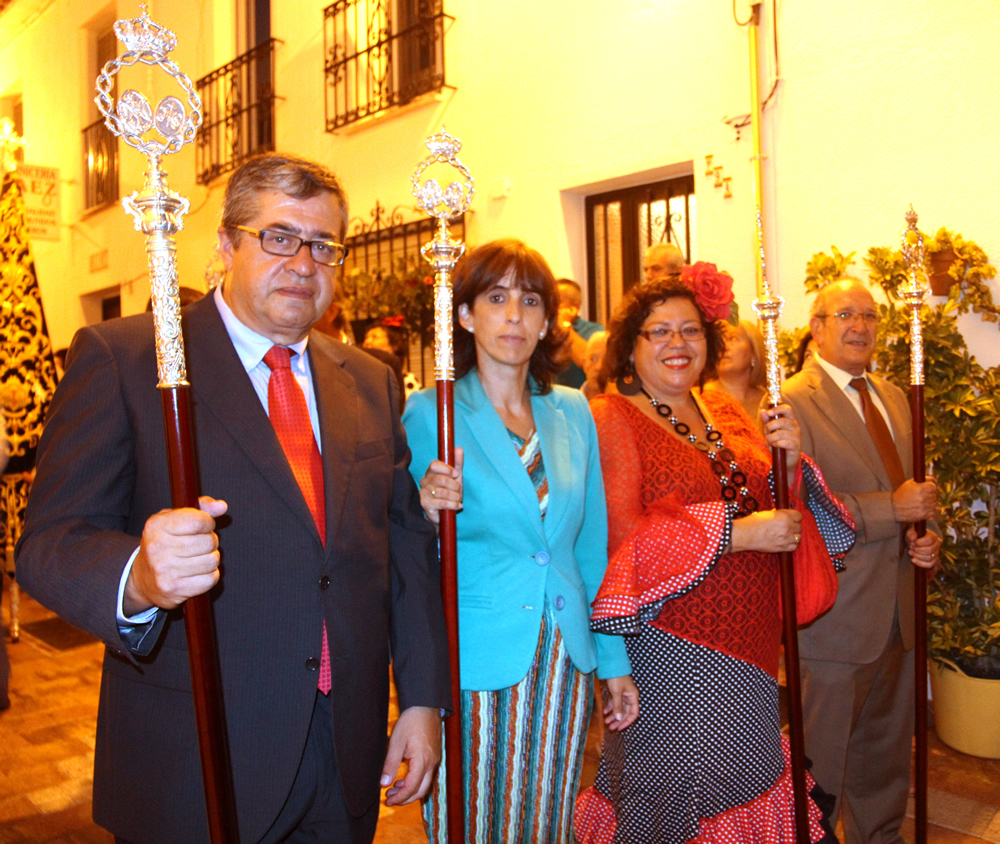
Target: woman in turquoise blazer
(532, 550)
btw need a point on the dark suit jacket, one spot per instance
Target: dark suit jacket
(878, 579)
(102, 472)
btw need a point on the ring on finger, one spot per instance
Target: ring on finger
(797, 538)
(434, 492)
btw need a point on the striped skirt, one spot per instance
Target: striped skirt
(523, 753)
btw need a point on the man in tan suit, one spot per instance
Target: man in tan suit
(857, 659)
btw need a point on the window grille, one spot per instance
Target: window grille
(379, 54)
(238, 106)
(100, 146)
(387, 245)
(622, 224)
(100, 166)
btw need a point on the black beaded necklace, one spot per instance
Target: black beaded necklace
(724, 465)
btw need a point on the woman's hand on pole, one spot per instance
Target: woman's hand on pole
(772, 531)
(781, 430)
(622, 707)
(441, 487)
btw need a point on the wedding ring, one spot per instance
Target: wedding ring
(797, 539)
(434, 492)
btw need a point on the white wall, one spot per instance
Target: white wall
(879, 105)
(882, 105)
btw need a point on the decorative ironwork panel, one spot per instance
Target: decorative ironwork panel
(238, 106)
(383, 250)
(100, 166)
(622, 224)
(379, 54)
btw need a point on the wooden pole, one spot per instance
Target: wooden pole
(768, 309)
(793, 683)
(920, 630)
(199, 626)
(449, 592)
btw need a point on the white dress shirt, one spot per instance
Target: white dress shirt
(843, 380)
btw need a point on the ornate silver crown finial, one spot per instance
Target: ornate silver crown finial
(455, 199)
(443, 145)
(142, 35)
(912, 243)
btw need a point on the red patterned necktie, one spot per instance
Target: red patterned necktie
(879, 432)
(286, 405)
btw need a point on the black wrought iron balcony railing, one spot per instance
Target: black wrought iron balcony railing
(100, 166)
(238, 108)
(379, 54)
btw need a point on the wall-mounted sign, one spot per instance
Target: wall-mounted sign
(40, 188)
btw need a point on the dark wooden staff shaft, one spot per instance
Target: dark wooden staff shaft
(206, 679)
(793, 683)
(449, 592)
(920, 630)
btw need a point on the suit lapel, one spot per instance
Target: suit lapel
(337, 405)
(834, 405)
(493, 438)
(220, 385)
(553, 436)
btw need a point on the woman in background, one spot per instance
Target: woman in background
(532, 549)
(741, 369)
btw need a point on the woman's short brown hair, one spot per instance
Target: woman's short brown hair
(481, 270)
(633, 312)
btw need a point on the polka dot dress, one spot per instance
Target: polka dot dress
(705, 761)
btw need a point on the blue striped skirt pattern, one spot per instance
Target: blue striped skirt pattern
(523, 753)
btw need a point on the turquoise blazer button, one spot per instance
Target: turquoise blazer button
(560, 602)
(542, 558)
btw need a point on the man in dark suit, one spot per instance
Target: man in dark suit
(857, 659)
(314, 549)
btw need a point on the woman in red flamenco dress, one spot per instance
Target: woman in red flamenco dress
(693, 585)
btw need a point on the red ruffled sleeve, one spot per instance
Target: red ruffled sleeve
(656, 552)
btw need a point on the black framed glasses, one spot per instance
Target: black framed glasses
(286, 245)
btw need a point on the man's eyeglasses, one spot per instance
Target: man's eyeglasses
(281, 243)
(850, 317)
(660, 336)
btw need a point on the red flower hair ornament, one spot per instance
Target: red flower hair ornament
(712, 288)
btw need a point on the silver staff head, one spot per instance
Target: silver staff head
(768, 309)
(457, 197)
(133, 118)
(914, 292)
(443, 251)
(157, 211)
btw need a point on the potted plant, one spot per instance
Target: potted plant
(962, 427)
(950, 260)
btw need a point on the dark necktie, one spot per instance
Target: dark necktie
(286, 405)
(879, 432)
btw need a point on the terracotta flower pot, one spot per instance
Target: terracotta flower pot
(966, 710)
(939, 278)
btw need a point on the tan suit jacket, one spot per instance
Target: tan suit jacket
(878, 579)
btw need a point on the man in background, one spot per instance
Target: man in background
(662, 260)
(578, 332)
